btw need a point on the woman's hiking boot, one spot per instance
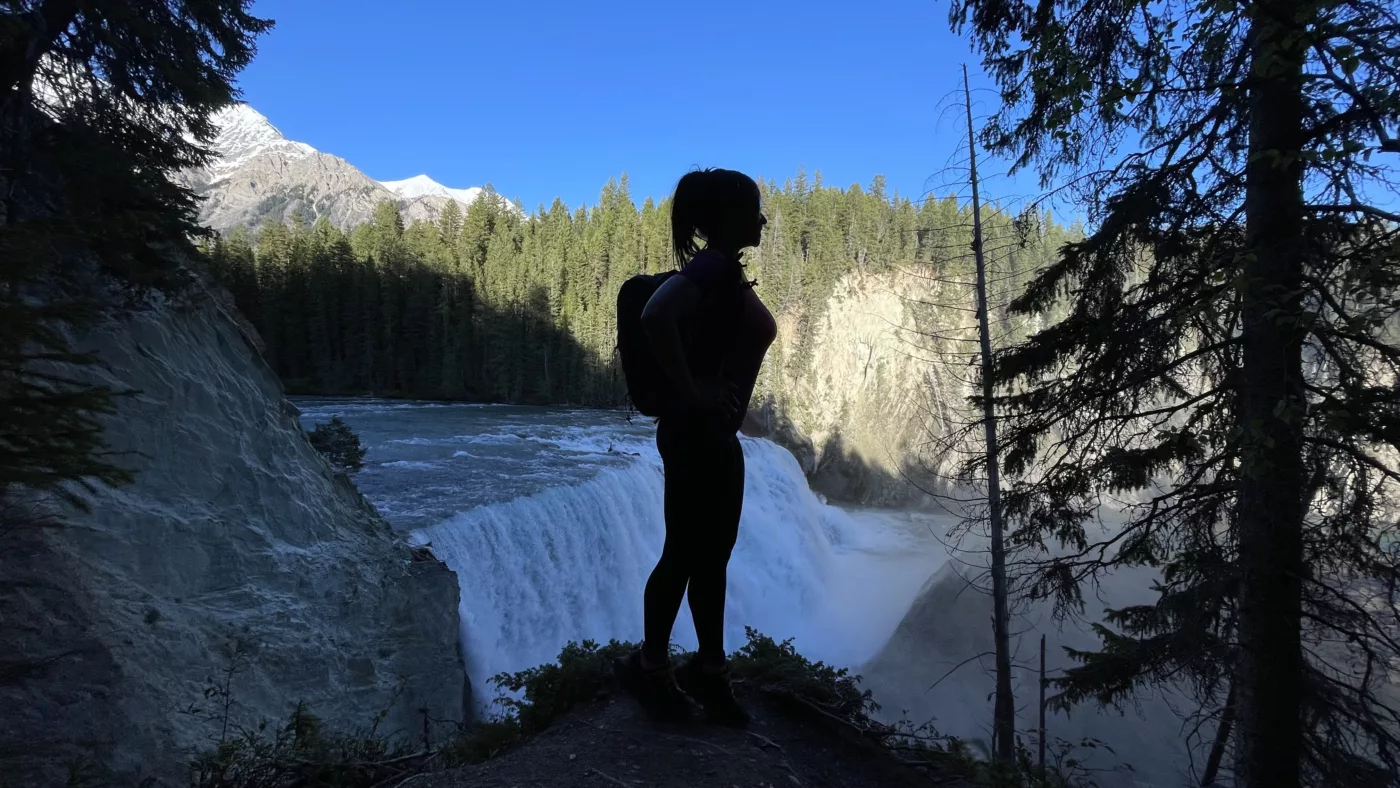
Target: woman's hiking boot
(713, 691)
(654, 688)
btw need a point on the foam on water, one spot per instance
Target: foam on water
(410, 464)
(342, 407)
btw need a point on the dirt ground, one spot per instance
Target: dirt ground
(612, 744)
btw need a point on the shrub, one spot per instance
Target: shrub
(778, 668)
(301, 753)
(339, 444)
(583, 673)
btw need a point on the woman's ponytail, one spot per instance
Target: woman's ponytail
(703, 200)
(686, 209)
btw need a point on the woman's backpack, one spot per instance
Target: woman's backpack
(647, 385)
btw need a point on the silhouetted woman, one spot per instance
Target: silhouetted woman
(710, 332)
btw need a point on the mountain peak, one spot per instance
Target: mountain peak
(244, 133)
(423, 186)
(417, 181)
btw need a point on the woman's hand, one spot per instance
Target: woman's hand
(718, 397)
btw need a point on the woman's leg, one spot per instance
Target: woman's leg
(684, 501)
(706, 677)
(723, 505)
(665, 588)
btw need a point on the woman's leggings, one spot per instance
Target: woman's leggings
(704, 498)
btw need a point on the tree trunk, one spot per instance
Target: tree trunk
(1222, 740)
(1271, 505)
(1004, 707)
(1040, 749)
(28, 37)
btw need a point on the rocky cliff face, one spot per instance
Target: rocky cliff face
(237, 560)
(275, 184)
(884, 381)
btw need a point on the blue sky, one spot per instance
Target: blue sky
(547, 99)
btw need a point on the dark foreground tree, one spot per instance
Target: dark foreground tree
(100, 101)
(1004, 702)
(1229, 360)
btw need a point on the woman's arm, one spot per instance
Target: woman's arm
(760, 329)
(674, 300)
(763, 329)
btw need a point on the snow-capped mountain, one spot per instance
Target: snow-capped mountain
(423, 186)
(245, 133)
(259, 174)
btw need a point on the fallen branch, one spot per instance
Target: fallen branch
(873, 731)
(912, 736)
(796, 778)
(764, 740)
(411, 779)
(388, 763)
(697, 741)
(601, 728)
(650, 732)
(920, 750)
(607, 777)
(386, 781)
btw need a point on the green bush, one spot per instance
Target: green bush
(300, 754)
(339, 444)
(583, 673)
(778, 668)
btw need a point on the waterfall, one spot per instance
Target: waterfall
(569, 563)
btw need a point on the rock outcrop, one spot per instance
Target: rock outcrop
(235, 577)
(883, 381)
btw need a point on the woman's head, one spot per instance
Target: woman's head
(721, 206)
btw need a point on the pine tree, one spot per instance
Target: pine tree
(369, 369)
(1004, 703)
(449, 224)
(99, 102)
(1226, 352)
